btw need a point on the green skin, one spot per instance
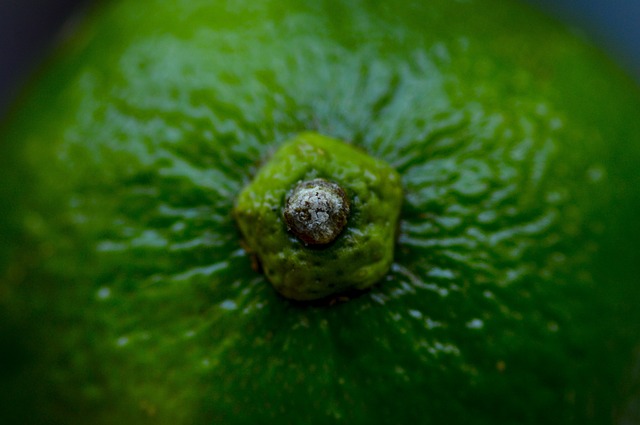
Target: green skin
(362, 253)
(127, 297)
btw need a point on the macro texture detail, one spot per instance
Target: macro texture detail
(364, 188)
(316, 211)
(126, 292)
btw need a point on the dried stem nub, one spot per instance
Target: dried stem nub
(316, 211)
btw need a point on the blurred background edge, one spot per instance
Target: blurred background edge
(30, 28)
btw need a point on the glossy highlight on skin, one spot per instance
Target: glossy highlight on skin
(129, 298)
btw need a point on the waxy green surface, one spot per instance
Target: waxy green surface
(126, 296)
(362, 253)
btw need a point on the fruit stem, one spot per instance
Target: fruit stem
(316, 211)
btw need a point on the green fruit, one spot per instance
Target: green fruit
(128, 298)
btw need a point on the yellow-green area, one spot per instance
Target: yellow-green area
(126, 295)
(360, 256)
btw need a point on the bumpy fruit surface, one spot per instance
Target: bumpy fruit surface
(311, 263)
(128, 298)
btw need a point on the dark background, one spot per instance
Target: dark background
(613, 24)
(29, 27)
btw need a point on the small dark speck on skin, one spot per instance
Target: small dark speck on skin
(339, 299)
(255, 263)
